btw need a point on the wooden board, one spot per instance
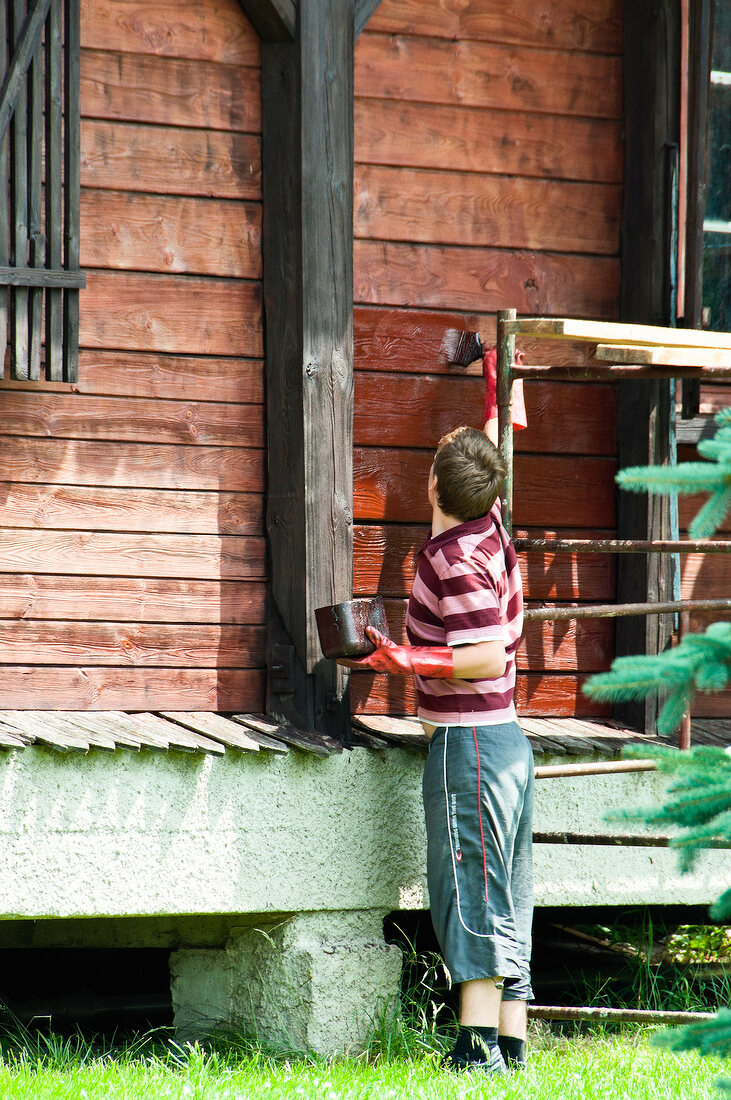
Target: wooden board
(62, 507)
(616, 333)
(168, 91)
(170, 233)
(314, 743)
(89, 553)
(60, 723)
(557, 491)
(91, 688)
(663, 356)
(536, 694)
(156, 375)
(138, 26)
(130, 599)
(479, 74)
(451, 277)
(413, 411)
(216, 727)
(126, 156)
(82, 462)
(178, 737)
(403, 204)
(159, 645)
(567, 24)
(477, 139)
(75, 416)
(385, 559)
(188, 315)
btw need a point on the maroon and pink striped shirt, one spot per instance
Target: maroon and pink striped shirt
(467, 589)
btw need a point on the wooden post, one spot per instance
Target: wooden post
(646, 410)
(505, 357)
(307, 92)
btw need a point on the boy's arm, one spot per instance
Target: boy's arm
(474, 661)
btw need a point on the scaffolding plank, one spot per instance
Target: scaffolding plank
(664, 356)
(610, 332)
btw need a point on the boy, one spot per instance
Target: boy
(464, 623)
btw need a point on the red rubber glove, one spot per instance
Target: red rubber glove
(489, 372)
(435, 662)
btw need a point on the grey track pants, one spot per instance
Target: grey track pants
(478, 802)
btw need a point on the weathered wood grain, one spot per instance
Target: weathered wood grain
(132, 87)
(140, 374)
(412, 341)
(456, 207)
(89, 553)
(84, 462)
(130, 599)
(452, 277)
(536, 694)
(385, 560)
(215, 726)
(705, 576)
(482, 74)
(171, 234)
(477, 139)
(414, 412)
(171, 313)
(172, 29)
(565, 24)
(716, 705)
(72, 416)
(125, 156)
(91, 688)
(149, 644)
(69, 507)
(550, 491)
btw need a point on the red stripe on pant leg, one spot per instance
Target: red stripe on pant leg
(479, 810)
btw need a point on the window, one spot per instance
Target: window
(40, 196)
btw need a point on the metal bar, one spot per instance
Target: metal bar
(626, 546)
(72, 184)
(505, 359)
(41, 277)
(604, 767)
(620, 840)
(607, 372)
(616, 1015)
(617, 610)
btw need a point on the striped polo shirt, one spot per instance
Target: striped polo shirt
(467, 589)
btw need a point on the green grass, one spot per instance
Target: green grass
(583, 1066)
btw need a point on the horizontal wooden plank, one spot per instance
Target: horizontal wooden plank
(450, 277)
(132, 419)
(557, 490)
(82, 462)
(477, 139)
(134, 87)
(156, 375)
(29, 687)
(705, 576)
(104, 509)
(586, 645)
(385, 559)
(663, 356)
(131, 599)
(171, 234)
(715, 705)
(458, 207)
(396, 407)
(536, 694)
(177, 313)
(126, 156)
(412, 341)
(616, 333)
(486, 74)
(93, 553)
(568, 24)
(159, 645)
(216, 32)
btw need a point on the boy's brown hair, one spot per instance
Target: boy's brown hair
(470, 473)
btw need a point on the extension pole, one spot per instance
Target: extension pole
(616, 1015)
(606, 767)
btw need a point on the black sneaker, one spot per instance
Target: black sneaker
(488, 1059)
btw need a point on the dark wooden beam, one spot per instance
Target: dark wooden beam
(273, 20)
(363, 11)
(307, 96)
(645, 411)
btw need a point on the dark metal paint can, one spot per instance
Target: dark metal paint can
(341, 626)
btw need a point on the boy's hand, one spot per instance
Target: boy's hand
(402, 660)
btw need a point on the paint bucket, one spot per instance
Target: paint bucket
(342, 627)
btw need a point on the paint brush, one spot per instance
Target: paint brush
(460, 348)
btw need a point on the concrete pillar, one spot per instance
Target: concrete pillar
(315, 981)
